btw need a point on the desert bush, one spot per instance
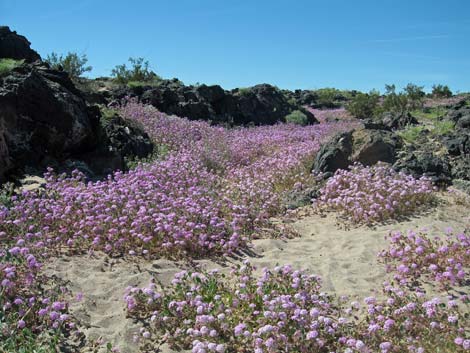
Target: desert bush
(138, 73)
(6, 65)
(284, 310)
(441, 91)
(364, 105)
(415, 95)
(75, 65)
(297, 117)
(374, 194)
(395, 102)
(416, 256)
(330, 97)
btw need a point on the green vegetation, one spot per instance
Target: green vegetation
(244, 91)
(364, 105)
(415, 95)
(138, 74)
(75, 65)
(443, 127)
(6, 65)
(7, 191)
(395, 102)
(441, 91)
(411, 133)
(297, 117)
(331, 97)
(429, 113)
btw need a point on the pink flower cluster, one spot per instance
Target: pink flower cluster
(443, 260)
(374, 194)
(284, 310)
(24, 303)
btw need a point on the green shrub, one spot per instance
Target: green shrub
(297, 117)
(139, 72)
(441, 91)
(72, 63)
(329, 97)
(364, 105)
(397, 103)
(6, 65)
(415, 95)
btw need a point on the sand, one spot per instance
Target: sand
(345, 258)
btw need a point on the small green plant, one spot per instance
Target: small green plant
(6, 65)
(159, 153)
(7, 191)
(297, 117)
(75, 65)
(411, 133)
(244, 91)
(443, 127)
(364, 105)
(429, 113)
(139, 72)
(441, 91)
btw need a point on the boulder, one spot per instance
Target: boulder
(334, 154)
(14, 46)
(460, 167)
(457, 143)
(418, 163)
(362, 145)
(125, 136)
(395, 121)
(261, 104)
(459, 113)
(372, 146)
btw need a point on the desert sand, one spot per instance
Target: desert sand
(344, 258)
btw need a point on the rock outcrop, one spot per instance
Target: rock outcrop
(44, 120)
(258, 105)
(14, 46)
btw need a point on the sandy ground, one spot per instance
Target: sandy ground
(346, 260)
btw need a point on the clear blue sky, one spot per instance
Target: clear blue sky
(351, 44)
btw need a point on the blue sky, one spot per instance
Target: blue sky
(349, 44)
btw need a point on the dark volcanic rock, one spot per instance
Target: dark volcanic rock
(126, 137)
(363, 145)
(44, 120)
(397, 121)
(419, 163)
(261, 104)
(14, 46)
(40, 116)
(372, 146)
(334, 154)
